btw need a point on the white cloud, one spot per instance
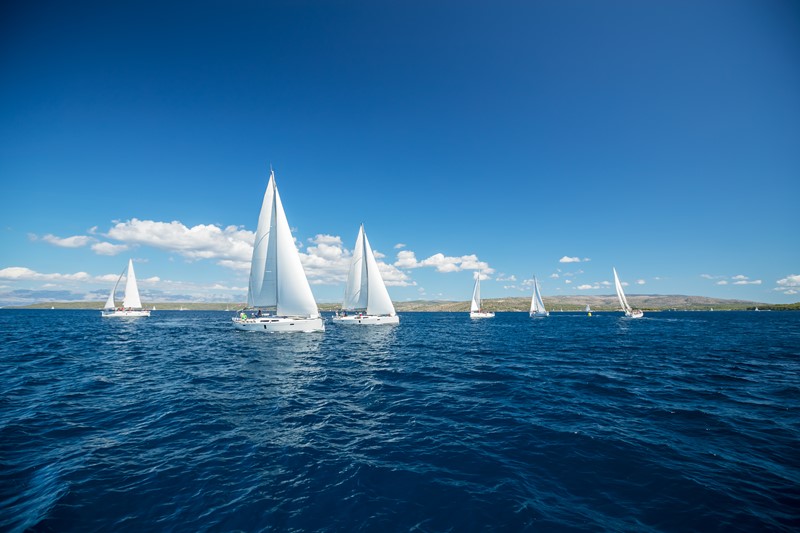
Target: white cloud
(722, 282)
(567, 259)
(76, 241)
(442, 263)
(586, 287)
(708, 276)
(204, 241)
(326, 261)
(792, 280)
(605, 283)
(477, 274)
(554, 275)
(106, 248)
(567, 281)
(399, 245)
(790, 291)
(639, 282)
(747, 282)
(26, 274)
(503, 277)
(740, 277)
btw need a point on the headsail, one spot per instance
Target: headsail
(110, 302)
(356, 293)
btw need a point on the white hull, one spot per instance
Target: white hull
(366, 320)
(479, 314)
(634, 314)
(275, 324)
(539, 314)
(116, 313)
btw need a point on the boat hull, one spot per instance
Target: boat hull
(536, 314)
(635, 314)
(276, 324)
(124, 313)
(367, 320)
(478, 314)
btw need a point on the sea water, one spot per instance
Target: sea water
(678, 421)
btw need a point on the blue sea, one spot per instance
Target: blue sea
(679, 421)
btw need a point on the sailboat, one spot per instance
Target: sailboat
(475, 310)
(131, 304)
(366, 300)
(588, 310)
(277, 279)
(623, 302)
(537, 306)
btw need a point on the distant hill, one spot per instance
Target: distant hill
(646, 302)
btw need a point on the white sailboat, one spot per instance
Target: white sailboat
(131, 304)
(366, 300)
(623, 302)
(537, 305)
(475, 310)
(588, 310)
(277, 279)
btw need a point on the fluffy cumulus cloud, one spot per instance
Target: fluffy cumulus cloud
(204, 241)
(789, 285)
(567, 259)
(326, 262)
(442, 263)
(744, 280)
(586, 287)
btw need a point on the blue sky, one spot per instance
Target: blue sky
(556, 138)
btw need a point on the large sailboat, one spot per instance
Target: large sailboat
(366, 300)
(537, 305)
(475, 310)
(623, 302)
(131, 303)
(278, 283)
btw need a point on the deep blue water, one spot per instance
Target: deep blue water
(679, 421)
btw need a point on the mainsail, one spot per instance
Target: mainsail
(131, 300)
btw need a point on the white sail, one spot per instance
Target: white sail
(356, 293)
(131, 300)
(620, 294)
(365, 288)
(476, 295)
(277, 277)
(537, 305)
(378, 302)
(110, 302)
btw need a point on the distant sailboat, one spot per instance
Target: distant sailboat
(588, 310)
(537, 305)
(623, 302)
(277, 278)
(366, 300)
(475, 310)
(131, 304)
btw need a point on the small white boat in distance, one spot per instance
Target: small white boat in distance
(537, 305)
(588, 310)
(131, 304)
(366, 300)
(277, 278)
(475, 310)
(623, 302)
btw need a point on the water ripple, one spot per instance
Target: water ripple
(679, 421)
